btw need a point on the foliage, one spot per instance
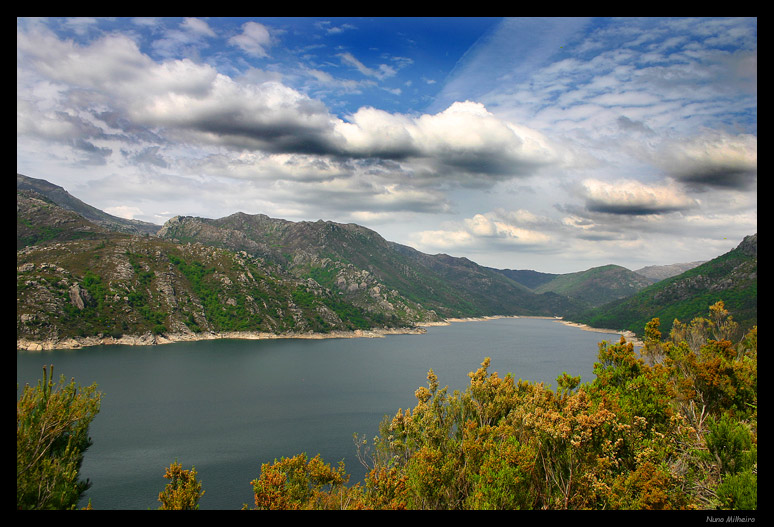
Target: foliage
(183, 490)
(52, 424)
(298, 483)
(672, 427)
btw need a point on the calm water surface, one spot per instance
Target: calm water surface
(228, 406)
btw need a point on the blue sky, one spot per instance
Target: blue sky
(552, 144)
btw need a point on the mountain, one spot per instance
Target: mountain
(662, 272)
(61, 197)
(120, 286)
(82, 273)
(335, 255)
(596, 286)
(589, 288)
(77, 279)
(731, 277)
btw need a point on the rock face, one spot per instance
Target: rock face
(79, 297)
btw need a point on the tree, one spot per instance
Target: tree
(52, 424)
(183, 491)
(295, 483)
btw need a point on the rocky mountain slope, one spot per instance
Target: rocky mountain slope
(341, 256)
(58, 195)
(81, 281)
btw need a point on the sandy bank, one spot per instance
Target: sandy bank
(149, 339)
(630, 336)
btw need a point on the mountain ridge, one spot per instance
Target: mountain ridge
(67, 201)
(283, 277)
(319, 247)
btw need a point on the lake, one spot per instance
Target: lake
(227, 406)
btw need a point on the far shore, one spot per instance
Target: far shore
(149, 339)
(629, 335)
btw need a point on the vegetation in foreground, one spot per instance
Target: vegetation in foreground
(671, 427)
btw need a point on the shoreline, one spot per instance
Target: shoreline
(629, 335)
(149, 339)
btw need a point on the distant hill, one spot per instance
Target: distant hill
(731, 277)
(61, 197)
(596, 286)
(662, 272)
(593, 287)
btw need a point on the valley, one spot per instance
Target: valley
(85, 277)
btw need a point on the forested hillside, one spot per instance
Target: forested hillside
(732, 278)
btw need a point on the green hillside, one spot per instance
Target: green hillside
(596, 286)
(731, 278)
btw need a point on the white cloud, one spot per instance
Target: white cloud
(496, 230)
(580, 139)
(198, 25)
(124, 211)
(253, 40)
(464, 143)
(382, 72)
(712, 159)
(633, 197)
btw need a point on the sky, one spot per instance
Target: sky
(552, 144)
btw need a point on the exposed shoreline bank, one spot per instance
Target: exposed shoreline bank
(149, 339)
(629, 335)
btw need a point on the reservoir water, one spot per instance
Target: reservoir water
(228, 406)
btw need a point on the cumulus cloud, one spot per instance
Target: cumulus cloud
(254, 39)
(629, 197)
(191, 102)
(712, 160)
(501, 229)
(465, 142)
